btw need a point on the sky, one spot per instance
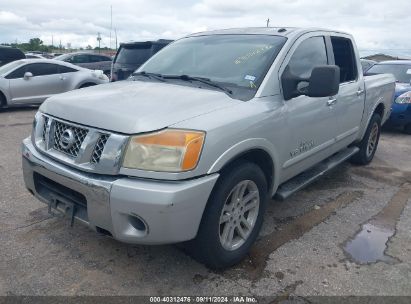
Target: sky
(378, 25)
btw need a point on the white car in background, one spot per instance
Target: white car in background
(31, 81)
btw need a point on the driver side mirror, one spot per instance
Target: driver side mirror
(27, 75)
(324, 81)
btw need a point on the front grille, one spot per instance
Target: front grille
(98, 149)
(78, 133)
(44, 133)
(83, 147)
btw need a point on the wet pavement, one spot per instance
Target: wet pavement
(346, 234)
(369, 245)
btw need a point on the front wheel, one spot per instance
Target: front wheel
(233, 217)
(369, 143)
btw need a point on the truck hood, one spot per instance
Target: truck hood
(134, 106)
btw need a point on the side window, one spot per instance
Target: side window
(103, 58)
(94, 58)
(80, 58)
(42, 69)
(345, 58)
(19, 73)
(64, 69)
(309, 54)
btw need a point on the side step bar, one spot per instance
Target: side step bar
(307, 177)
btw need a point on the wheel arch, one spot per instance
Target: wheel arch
(258, 151)
(3, 99)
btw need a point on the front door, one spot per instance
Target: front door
(45, 82)
(311, 122)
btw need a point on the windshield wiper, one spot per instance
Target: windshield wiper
(206, 81)
(149, 75)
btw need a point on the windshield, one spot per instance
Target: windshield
(133, 55)
(234, 60)
(401, 72)
(9, 67)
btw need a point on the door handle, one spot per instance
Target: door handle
(331, 101)
(360, 92)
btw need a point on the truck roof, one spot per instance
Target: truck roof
(277, 31)
(400, 61)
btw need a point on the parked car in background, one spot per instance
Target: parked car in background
(9, 54)
(205, 132)
(91, 61)
(31, 81)
(34, 56)
(366, 64)
(401, 108)
(130, 56)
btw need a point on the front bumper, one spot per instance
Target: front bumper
(171, 211)
(400, 115)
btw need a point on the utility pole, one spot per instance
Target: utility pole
(98, 39)
(115, 32)
(52, 41)
(111, 22)
(268, 21)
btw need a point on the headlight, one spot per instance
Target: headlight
(170, 150)
(404, 98)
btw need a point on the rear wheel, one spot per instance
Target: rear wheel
(369, 143)
(233, 217)
(407, 129)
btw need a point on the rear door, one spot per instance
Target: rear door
(311, 122)
(349, 104)
(44, 83)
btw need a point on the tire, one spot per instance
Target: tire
(407, 129)
(209, 246)
(3, 101)
(369, 143)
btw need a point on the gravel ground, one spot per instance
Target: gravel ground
(300, 252)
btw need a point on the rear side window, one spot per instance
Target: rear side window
(133, 55)
(80, 58)
(309, 54)
(42, 69)
(64, 69)
(344, 58)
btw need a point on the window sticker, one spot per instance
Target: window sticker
(249, 77)
(409, 71)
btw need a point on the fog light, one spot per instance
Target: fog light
(138, 223)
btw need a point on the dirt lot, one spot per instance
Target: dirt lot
(302, 250)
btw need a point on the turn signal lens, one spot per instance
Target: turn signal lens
(169, 150)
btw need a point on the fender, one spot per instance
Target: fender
(371, 112)
(245, 146)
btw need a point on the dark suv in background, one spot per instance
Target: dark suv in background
(131, 55)
(9, 54)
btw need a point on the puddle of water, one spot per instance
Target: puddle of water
(369, 245)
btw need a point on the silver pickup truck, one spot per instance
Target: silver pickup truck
(192, 147)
